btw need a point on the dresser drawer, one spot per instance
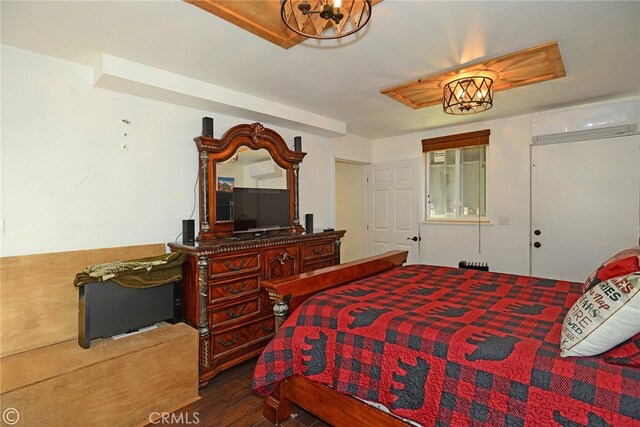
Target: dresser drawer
(240, 264)
(242, 336)
(233, 312)
(318, 250)
(281, 262)
(233, 288)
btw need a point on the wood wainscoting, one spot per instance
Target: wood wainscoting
(39, 301)
(50, 380)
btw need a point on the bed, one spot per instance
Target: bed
(435, 346)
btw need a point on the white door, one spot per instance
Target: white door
(585, 205)
(393, 196)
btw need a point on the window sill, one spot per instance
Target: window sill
(457, 221)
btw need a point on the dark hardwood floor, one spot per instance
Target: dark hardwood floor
(227, 401)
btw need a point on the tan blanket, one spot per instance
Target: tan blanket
(136, 273)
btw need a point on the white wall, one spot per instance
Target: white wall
(352, 148)
(504, 247)
(68, 183)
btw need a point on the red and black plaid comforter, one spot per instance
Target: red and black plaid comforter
(444, 346)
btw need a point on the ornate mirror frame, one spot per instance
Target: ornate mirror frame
(211, 150)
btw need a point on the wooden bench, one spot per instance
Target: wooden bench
(50, 380)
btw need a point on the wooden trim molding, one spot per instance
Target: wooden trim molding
(459, 140)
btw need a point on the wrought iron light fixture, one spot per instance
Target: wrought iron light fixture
(325, 19)
(468, 94)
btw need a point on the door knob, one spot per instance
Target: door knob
(414, 238)
(537, 244)
(537, 232)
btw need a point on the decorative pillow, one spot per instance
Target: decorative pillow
(625, 354)
(625, 262)
(603, 317)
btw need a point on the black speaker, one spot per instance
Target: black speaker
(188, 231)
(207, 127)
(308, 223)
(297, 143)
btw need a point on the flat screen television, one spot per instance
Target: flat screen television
(256, 209)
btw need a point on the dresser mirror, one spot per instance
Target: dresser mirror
(248, 182)
(251, 169)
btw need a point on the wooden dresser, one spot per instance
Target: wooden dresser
(222, 293)
(222, 274)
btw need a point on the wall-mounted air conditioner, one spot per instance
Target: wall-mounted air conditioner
(265, 170)
(586, 123)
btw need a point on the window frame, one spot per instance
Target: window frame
(457, 142)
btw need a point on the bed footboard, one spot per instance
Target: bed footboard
(290, 292)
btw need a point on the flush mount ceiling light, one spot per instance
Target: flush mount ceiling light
(260, 17)
(468, 94)
(325, 19)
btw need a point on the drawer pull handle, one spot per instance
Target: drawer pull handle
(317, 251)
(237, 291)
(234, 340)
(284, 257)
(269, 330)
(233, 315)
(232, 267)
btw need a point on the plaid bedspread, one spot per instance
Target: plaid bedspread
(452, 347)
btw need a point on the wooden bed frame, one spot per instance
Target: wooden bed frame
(331, 406)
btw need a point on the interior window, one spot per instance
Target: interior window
(456, 179)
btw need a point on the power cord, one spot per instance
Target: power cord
(195, 186)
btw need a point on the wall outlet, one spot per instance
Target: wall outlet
(503, 220)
